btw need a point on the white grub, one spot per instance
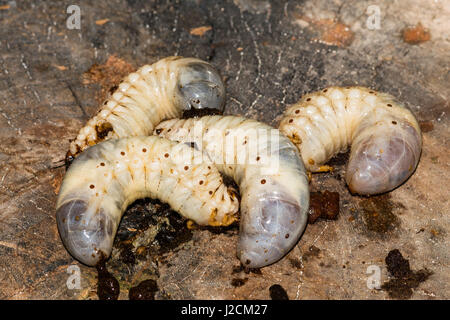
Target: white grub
(384, 136)
(269, 172)
(104, 179)
(153, 93)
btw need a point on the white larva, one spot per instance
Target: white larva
(153, 93)
(270, 175)
(384, 135)
(104, 179)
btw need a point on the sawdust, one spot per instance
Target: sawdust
(416, 35)
(108, 75)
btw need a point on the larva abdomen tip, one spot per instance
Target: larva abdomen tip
(200, 86)
(86, 236)
(267, 238)
(384, 161)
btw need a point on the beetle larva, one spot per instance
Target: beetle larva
(270, 175)
(148, 96)
(104, 179)
(384, 135)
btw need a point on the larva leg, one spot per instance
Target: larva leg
(269, 172)
(103, 180)
(384, 135)
(151, 94)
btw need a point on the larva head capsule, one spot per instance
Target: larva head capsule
(86, 234)
(200, 86)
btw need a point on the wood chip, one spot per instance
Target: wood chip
(101, 22)
(200, 31)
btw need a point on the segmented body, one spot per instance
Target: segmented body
(270, 175)
(104, 179)
(384, 135)
(148, 96)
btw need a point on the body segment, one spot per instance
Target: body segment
(270, 175)
(384, 136)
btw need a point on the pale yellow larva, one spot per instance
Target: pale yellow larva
(270, 175)
(104, 179)
(153, 93)
(384, 136)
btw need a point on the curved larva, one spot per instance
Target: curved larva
(384, 135)
(148, 96)
(270, 174)
(103, 180)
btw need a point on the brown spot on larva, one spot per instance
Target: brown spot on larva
(166, 155)
(325, 90)
(103, 129)
(291, 120)
(169, 130)
(209, 167)
(371, 92)
(311, 161)
(389, 105)
(286, 235)
(210, 192)
(112, 89)
(309, 99)
(257, 158)
(102, 164)
(263, 181)
(186, 168)
(394, 122)
(200, 182)
(92, 186)
(77, 218)
(247, 261)
(122, 153)
(416, 35)
(297, 111)
(144, 150)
